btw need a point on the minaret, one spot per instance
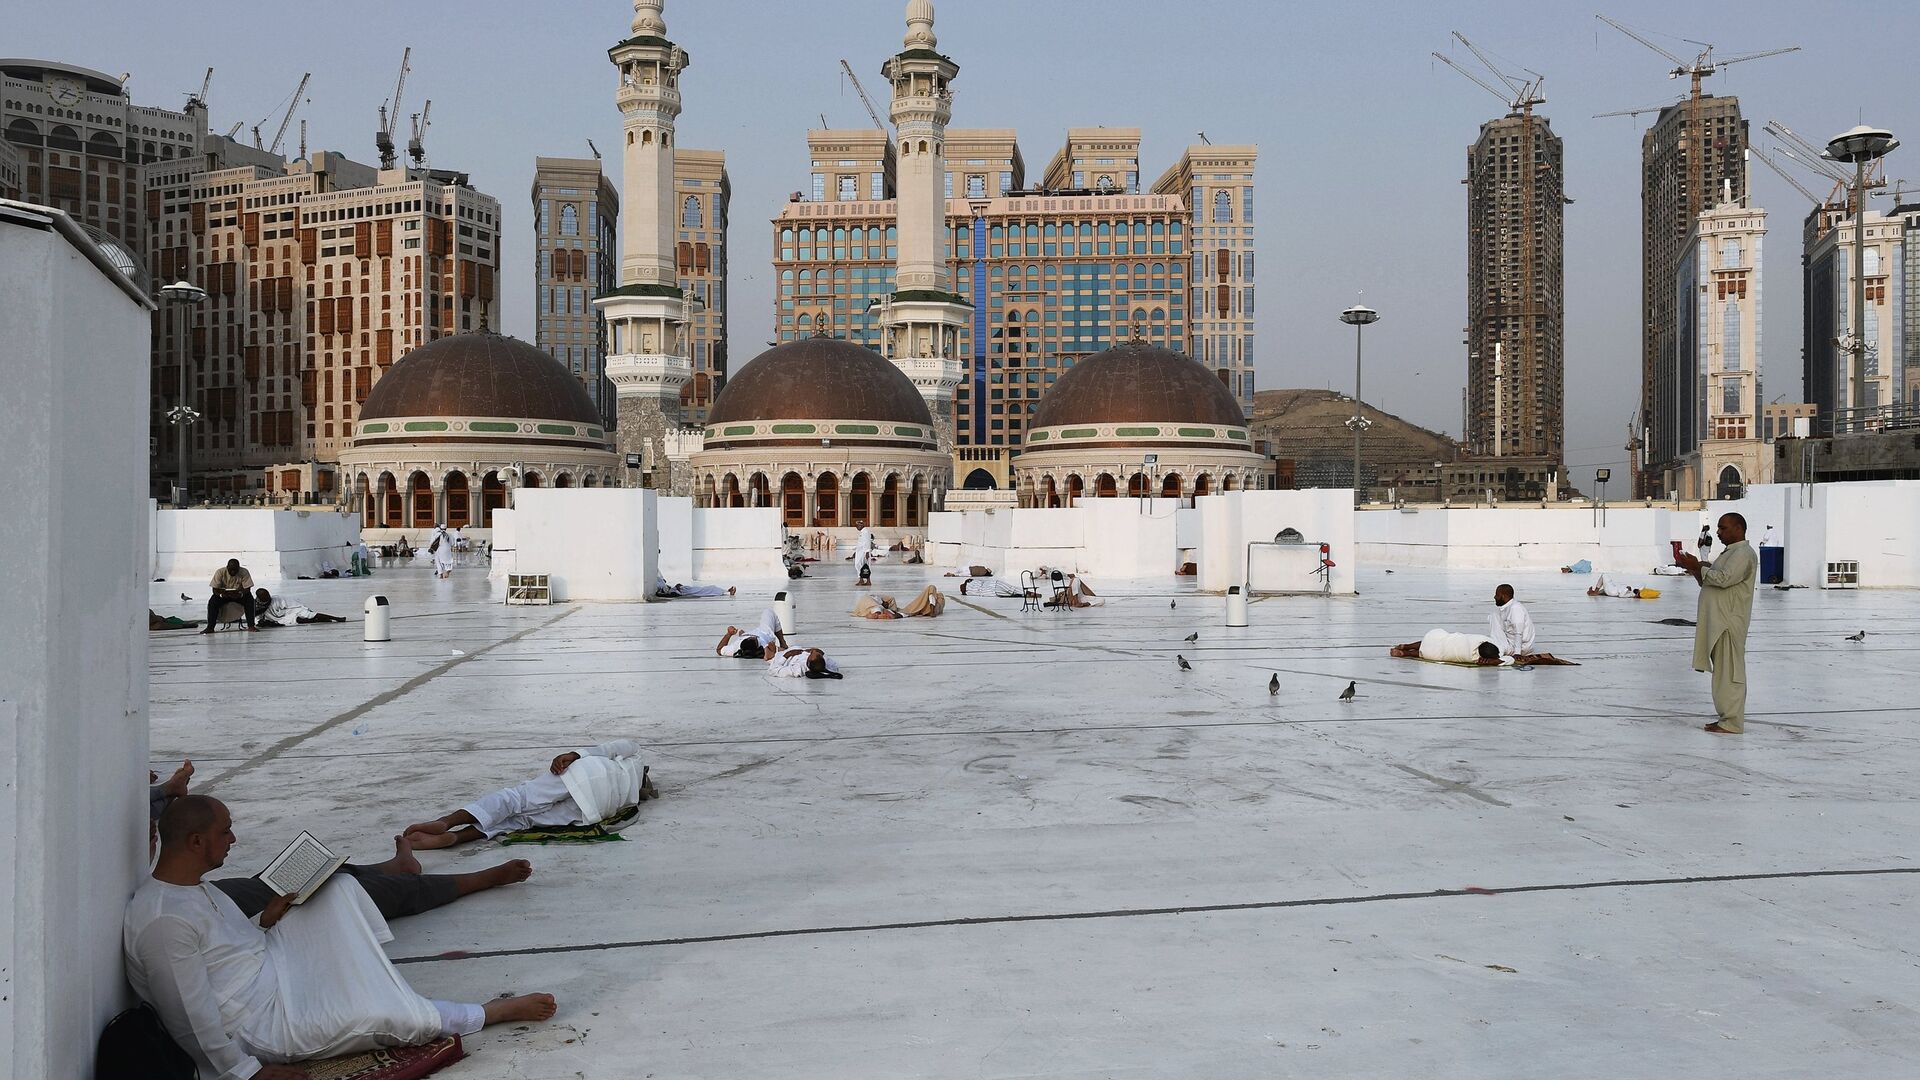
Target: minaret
(924, 316)
(648, 359)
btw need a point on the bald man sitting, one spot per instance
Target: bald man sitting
(245, 999)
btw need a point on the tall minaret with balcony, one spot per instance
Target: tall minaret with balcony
(924, 316)
(649, 358)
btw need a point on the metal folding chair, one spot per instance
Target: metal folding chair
(1062, 595)
(1029, 591)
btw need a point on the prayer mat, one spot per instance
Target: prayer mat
(575, 834)
(1676, 622)
(398, 1063)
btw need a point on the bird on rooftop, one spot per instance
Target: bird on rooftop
(1195, 636)
(1171, 604)
(1861, 636)
(185, 598)
(1273, 685)
(1182, 661)
(1347, 694)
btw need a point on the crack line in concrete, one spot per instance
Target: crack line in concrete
(369, 705)
(1132, 913)
(1451, 785)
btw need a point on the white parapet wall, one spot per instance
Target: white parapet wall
(675, 531)
(1628, 539)
(1871, 523)
(274, 545)
(1232, 520)
(737, 544)
(592, 543)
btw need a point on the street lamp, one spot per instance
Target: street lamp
(1358, 316)
(1860, 146)
(182, 294)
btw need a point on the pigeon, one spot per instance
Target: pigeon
(185, 599)
(1347, 694)
(1171, 604)
(1182, 661)
(1861, 636)
(1273, 685)
(1193, 637)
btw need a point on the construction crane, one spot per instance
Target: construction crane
(864, 99)
(1521, 95)
(1755, 153)
(595, 149)
(416, 146)
(235, 129)
(390, 112)
(199, 100)
(1701, 66)
(293, 104)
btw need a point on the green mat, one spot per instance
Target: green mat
(574, 834)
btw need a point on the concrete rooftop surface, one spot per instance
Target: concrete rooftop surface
(1025, 845)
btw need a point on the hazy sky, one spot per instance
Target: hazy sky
(1362, 134)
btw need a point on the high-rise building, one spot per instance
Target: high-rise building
(318, 279)
(649, 358)
(1717, 300)
(1669, 206)
(1516, 303)
(1893, 346)
(704, 197)
(576, 220)
(1217, 183)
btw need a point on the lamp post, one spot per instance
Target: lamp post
(1860, 146)
(1358, 316)
(182, 294)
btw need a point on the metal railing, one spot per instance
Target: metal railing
(1871, 419)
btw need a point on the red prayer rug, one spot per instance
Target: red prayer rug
(398, 1063)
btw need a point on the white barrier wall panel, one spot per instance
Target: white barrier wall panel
(1128, 538)
(675, 529)
(737, 543)
(274, 545)
(943, 527)
(1046, 528)
(1874, 523)
(503, 544)
(73, 677)
(593, 543)
(1230, 520)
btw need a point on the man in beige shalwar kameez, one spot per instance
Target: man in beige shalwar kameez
(1726, 609)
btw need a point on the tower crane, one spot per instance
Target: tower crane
(416, 146)
(1521, 95)
(293, 105)
(864, 99)
(1810, 157)
(1702, 65)
(199, 100)
(1780, 171)
(390, 113)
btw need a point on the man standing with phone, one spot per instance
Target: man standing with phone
(1726, 610)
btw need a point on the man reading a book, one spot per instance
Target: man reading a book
(582, 787)
(243, 999)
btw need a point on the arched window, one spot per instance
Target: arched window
(1729, 253)
(569, 220)
(1222, 205)
(1871, 259)
(690, 217)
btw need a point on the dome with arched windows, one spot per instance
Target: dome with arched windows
(448, 432)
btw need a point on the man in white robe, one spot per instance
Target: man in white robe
(243, 999)
(683, 591)
(988, 586)
(440, 548)
(286, 611)
(582, 787)
(1447, 647)
(1511, 625)
(1601, 587)
(863, 547)
(802, 663)
(755, 644)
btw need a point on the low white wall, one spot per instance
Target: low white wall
(274, 545)
(592, 543)
(675, 530)
(502, 539)
(1625, 538)
(731, 544)
(1870, 522)
(1231, 520)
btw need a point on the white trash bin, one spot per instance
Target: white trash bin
(1236, 606)
(783, 609)
(379, 613)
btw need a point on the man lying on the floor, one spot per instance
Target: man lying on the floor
(755, 644)
(303, 983)
(1602, 588)
(286, 611)
(664, 591)
(802, 663)
(988, 585)
(928, 604)
(582, 787)
(1444, 647)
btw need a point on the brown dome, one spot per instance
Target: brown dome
(480, 374)
(1138, 382)
(820, 378)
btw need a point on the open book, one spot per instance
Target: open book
(301, 869)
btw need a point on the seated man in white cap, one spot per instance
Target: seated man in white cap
(581, 787)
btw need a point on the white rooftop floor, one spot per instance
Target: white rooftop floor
(969, 857)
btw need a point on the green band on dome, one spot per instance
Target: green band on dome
(1199, 433)
(556, 429)
(372, 429)
(856, 429)
(1080, 433)
(1153, 432)
(425, 425)
(739, 429)
(492, 425)
(793, 429)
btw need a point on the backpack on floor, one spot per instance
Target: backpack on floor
(135, 1046)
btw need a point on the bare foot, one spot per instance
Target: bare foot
(731, 589)
(507, 1010)
(403, 861)
(509, 873)
(176, 784)
(431, 841)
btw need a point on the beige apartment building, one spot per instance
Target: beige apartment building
(1718, 300)
(1217, 183)
(703, 195)
(318, 279)
(576, 216)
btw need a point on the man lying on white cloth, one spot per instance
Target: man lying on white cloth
(1448, 647)
(683, 591)
(286, 611)
(582, 787)
(988, 586)
(755, 644)
(802, 663)
(303, 983)
(1602, 588)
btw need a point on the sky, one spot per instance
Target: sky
(1362, 134)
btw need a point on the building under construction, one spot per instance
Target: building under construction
(1516, 300)
(1676, 181)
